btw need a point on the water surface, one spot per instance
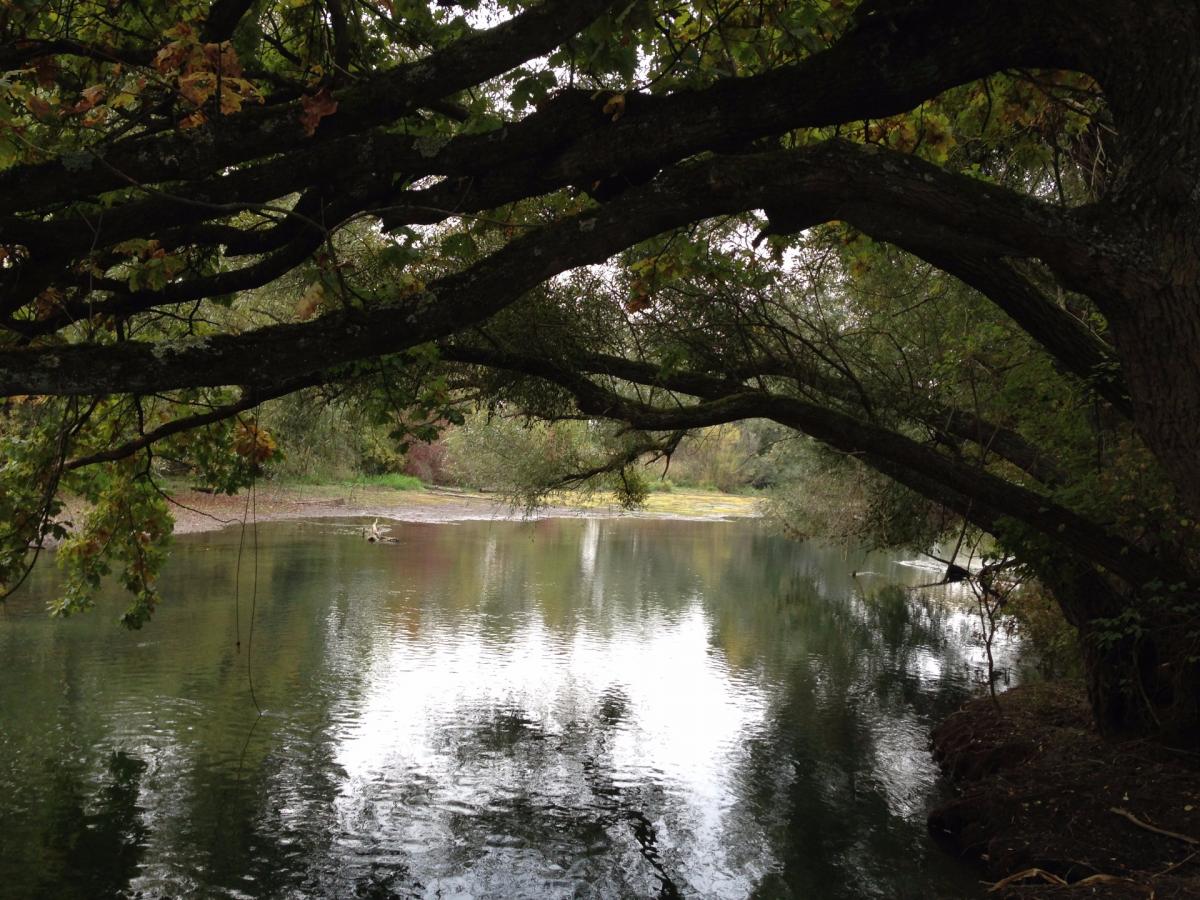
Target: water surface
(563, 708)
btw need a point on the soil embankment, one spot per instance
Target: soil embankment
(1051, 810)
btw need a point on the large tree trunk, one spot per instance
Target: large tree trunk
(1151, 77)
(1158, 338)
(1113, 676)
(1139, 678)
(1091, 604)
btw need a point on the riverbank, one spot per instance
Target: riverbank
(1052, 811)
(195, 511)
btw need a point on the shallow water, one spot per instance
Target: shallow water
(562, 708)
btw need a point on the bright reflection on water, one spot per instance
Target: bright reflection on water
(565, 708)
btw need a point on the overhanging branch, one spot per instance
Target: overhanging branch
(257, 132)
(969, 490)
(249, 400)
(815, 182)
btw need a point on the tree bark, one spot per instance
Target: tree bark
(1157, 336)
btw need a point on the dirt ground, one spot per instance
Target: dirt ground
(196, 511)
(1051, 810)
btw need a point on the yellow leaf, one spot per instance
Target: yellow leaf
(253, 443)
(615, 106)
(231, 102)
(311, 301)
(124, 100)
(197, 87)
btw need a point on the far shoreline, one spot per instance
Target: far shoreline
(196, 511)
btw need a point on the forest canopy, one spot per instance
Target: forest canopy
(955, 245)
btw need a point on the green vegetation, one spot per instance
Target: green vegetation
(529, 459)
(396, 481)
(928, 266)
(393, 480)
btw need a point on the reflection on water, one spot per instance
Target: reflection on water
(565, 708)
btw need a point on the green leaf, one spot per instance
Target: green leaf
(460, 246)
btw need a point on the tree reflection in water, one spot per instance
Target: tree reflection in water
(561, 708)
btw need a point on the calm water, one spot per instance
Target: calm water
(564, 708)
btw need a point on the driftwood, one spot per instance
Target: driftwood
(377, 535)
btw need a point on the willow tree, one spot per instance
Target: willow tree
(419, 178)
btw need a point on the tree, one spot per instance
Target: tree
(420, 178)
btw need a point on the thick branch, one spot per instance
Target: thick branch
(814, 181)
(256, 132)
(223, 17)
(971, 491)
(1076, 348)
(125, 304)
(961, 425)
(19, 56)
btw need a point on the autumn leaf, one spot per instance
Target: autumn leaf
(197, 87)
(90, 97)
(48, 302)
(194, 120)
(253, 443)
(235, 92)
(139, 247)
(42, 111)
(45, 71)
(637, 304)
(180, 31)
(316, 107)
(124, 100)
(223, 58)
(615, 106)
(311, 301)
(170, 58)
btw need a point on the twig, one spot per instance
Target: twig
(250, 398)
(1102, 878)
(1058, 881)
(158, 490)
(1174, 866)
(1027, 873)
(1126, 814)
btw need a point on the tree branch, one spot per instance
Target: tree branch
(249, 400)
(813, 181)
(223, 17)
(256, 132)
(976, 494)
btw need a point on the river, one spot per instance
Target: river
(558, 708)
